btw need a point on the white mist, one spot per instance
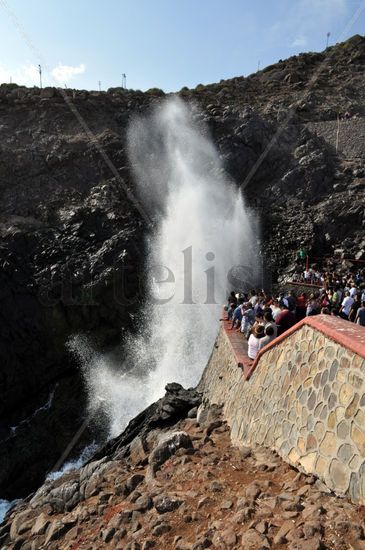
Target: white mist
(200, 231)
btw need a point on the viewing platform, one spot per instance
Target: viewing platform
(304, 396)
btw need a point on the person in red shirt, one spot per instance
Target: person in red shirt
(285, 319)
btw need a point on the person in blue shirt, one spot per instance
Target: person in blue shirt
(237, 314)
(248, 319)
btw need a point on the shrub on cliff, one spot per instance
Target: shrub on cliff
(11, 86)
(156, 92)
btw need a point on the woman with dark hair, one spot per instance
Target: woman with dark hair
(257, 333)
(354, 308)
(360, 315)
(232, 304)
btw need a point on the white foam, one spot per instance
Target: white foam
(76, 463)
(198, 213)
(5, 506)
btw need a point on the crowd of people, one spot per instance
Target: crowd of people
(261, 317)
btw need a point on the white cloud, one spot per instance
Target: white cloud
(28, 75)
(299, 42)
(25, 75)
(4, 75)
(65, 73)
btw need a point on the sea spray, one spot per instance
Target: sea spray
(198, 230)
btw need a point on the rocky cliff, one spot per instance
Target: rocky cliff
(71, 239)
(174, 480)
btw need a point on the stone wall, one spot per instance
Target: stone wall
(351, 138)
(304, 397)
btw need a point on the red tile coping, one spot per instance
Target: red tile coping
(239, 346)
(347, 334)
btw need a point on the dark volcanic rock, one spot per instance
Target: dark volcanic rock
(71, 237)
(64, 494)
(179, 400)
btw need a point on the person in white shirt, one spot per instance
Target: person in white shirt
(353, 290)
(275, 309)
(253, 299)
(254, 340)
(346, 306)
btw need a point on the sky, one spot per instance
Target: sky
(166, 44)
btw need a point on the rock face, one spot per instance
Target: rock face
(207, 493)
(72, 239)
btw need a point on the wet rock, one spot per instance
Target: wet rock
(164, 504)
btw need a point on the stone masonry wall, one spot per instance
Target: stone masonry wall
(351, 138)
(305, 399)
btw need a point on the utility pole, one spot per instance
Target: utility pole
(99, 86)
(124, 81)
(328, 35)
(40, 75)
(258, 65)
